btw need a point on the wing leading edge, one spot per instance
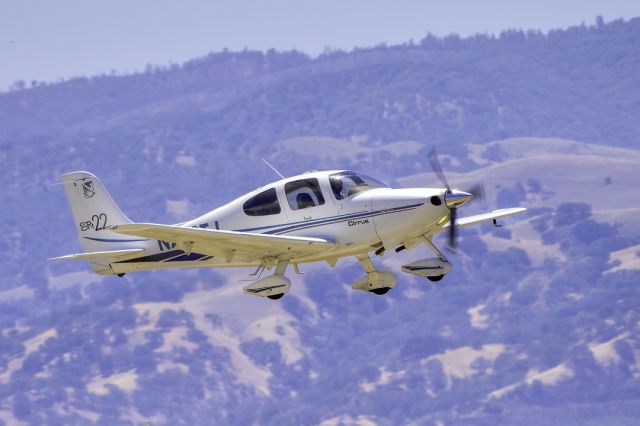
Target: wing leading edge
(112, 254)
(463, 222)
(219, 243)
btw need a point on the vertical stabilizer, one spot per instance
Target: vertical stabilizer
(93, 211)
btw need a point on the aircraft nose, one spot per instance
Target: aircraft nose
(454, 198)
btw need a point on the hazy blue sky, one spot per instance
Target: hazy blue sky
(46, 40)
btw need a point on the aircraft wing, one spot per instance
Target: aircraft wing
(112, 254)
(225, 244)
(463, 222)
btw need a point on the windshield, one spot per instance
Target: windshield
(346, 184)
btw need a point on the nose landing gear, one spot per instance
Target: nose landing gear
(433, 269)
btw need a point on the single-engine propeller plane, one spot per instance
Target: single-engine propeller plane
(315, 216)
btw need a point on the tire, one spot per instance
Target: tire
(436, 278)
(380, 291)
(120, 275)
(276, 296)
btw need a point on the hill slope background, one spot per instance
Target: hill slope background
(538, 320)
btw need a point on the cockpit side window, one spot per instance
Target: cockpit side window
(302, 194)
(264, 204)
(346, 184)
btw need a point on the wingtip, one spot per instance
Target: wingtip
(65, 257)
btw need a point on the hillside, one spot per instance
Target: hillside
(537, 323)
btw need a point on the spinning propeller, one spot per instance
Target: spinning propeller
(453, 198)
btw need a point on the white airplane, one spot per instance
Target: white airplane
(315, 216)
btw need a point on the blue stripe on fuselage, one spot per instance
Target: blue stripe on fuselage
(334, 219)
(302, 221)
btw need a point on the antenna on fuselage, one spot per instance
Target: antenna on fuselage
(273, 168)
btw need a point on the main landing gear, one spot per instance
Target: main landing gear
(274, 286)
(376, 282)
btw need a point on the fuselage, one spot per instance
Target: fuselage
(356, 212)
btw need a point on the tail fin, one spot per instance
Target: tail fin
(94, 210)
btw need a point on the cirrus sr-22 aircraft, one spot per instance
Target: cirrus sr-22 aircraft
(315, 216)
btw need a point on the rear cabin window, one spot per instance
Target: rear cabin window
(263, 204)
(302, 194)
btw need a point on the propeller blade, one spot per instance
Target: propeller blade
(477, 191)
(437, 167)
(452, 228)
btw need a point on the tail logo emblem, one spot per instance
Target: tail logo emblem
(87, 189)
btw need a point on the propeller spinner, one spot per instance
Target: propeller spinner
(453, 198)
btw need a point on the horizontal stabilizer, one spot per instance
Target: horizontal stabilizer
(113, 254)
